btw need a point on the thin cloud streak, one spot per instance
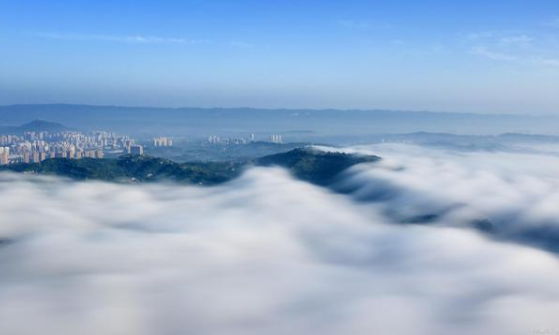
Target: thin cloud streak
(547, 61)
(484, 52)
(240, 44)
(363, 25)
(499, 56)
(553, 23)
(352, 24)
(140, 39)
(520, 48)
(520, 41)
(133, 39)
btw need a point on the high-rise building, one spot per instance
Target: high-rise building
(4, 155)
(137, 150)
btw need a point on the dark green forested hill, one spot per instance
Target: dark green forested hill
(307, 164)
(317, 167)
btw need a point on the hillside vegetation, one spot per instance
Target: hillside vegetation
(314, 166)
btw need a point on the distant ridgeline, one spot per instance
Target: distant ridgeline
(34, 126)
(317, 167)
(299, 122)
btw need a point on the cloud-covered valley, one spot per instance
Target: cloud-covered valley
(267, 254)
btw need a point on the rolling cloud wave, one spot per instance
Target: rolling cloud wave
(266, 254)
(512, 196)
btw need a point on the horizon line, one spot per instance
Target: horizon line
(280, 109)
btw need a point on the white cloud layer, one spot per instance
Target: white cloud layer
(267, 254)
(515, 194)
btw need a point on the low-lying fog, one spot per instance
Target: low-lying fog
(267, 254)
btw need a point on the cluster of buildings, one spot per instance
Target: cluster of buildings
(227, 141)
(241, 140)
(162, 142)
(276, 139)
(35, 147)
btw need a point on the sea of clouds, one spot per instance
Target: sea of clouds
(511, 196)
(267, 254)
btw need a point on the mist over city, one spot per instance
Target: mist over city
(279, 167)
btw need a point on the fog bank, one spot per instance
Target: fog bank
(264, 254)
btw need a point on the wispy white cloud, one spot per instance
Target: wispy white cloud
(354, 24)
(484, 52)
(503, 39)
(397, 42)
(533, 49)
(552, 23)
(137, 39)
(363, 24)
(480, 35)
(547, 61)
(438, 47)
(521, 41)
(508, 57)
(240, 44)
(140, 39)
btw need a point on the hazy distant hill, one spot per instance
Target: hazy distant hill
(300, 124)
(36, 126)
(306, 164)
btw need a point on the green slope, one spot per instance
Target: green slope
(307, 164)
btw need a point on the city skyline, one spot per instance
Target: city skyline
(491, 57)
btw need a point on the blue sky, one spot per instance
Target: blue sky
(497, 56)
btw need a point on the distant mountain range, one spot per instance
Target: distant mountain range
(34, 126)
(298, 124)
(307, 164)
